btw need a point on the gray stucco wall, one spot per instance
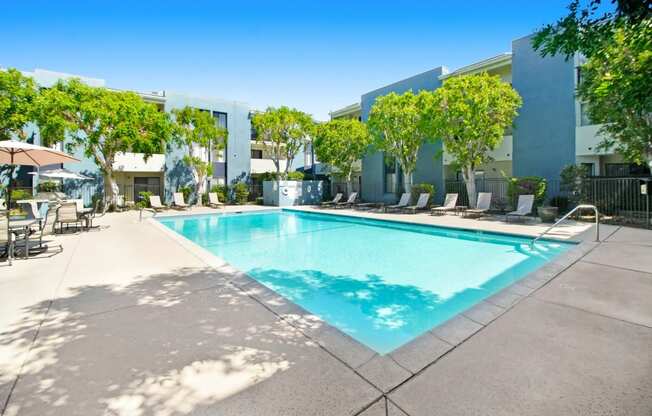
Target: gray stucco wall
(429, 167)
(238, 156)
(544, 132)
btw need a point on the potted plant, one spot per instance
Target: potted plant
(548, 213)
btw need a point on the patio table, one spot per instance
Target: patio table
(17, 225)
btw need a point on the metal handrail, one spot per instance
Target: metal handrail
(583, 206)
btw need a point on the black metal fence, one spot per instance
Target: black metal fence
(620, 200)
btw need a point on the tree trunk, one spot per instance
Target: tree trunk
(349, 185)
(469, 179)
(407, 181)
(112, 189)
(199, 190)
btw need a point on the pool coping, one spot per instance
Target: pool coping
(389, 371)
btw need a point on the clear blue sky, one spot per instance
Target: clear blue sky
(313, 55)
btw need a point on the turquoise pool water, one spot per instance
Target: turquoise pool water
(383, 283)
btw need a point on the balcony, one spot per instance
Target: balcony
(135, 162)
(501, 154)
(265, 165)
(587, 140)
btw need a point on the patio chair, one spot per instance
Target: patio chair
(89, 217)
(336, 200)
(523, 207)
(214, 201)
(37, 235)
(349, 202)
(67, 214)
(155, 203)
(421, 205)
(6, 246)
(31, 210)
(179, 202)
(481, 207)
(449, 205)
(3, 205)
(368, 205)
(402, 203)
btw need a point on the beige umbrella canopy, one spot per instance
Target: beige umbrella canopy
(15, 153)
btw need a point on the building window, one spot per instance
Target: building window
(256, 154)
(585, 120)
(590, 168)
(220, 159)
(626, 170)
(390, 176)
(253, 135)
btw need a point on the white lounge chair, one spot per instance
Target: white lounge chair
(350, 201)
(422, 204)
(482, 206)
(155, 203)
(214, 201)
(336, 200)
(449, 205)
(179, 201)
(523, 207)
(402, 203)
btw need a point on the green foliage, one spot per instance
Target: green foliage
(101, 123)
(240, 193)
(48, 186)
(617, 76)
(527, 185)
(196, 129)
(400, 124)
(422, 188)
(187, 192)
(283, 132)
(341, 143)
(295, 176)
(221, 191)
(573, 181)
(18, 194)
(144, 199)
(471, 113)
(17, 95)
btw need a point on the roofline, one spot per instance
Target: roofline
(444, 70)
(497, 61)
(351, 108)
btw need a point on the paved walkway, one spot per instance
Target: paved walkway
(125, 321)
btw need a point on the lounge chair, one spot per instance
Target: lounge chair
(402, 203)
(179, 202)
(349, 202)
(449, 205)
(336, 200)
(483, 205)
(214, 201)
(368, 205)
(422, 204)
(523, 207)
(155, 203)
(67, 214)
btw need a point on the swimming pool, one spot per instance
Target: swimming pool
(383, 283)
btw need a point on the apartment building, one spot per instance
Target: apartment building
(551, 131)
(162, 174)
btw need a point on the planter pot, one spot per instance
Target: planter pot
(548, 214)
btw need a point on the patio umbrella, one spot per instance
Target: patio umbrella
(15, 153)
(62, 174)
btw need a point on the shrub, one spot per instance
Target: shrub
(422, 188)
(187, 192)
(221, 191)
(48, 186)
(144, 199)
(18, 194)
(573, 181)
(561, 202)
(527, 185)
(295, 176)
(240, 193)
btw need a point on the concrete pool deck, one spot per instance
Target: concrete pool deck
(128, 321)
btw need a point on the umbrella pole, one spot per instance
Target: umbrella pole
(9, 242)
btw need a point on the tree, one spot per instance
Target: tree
(102, 123)
(616, 80)
(471, 113)
(341, 143)
(197, 131)
(17, 95)
(283, 132)
(399, 125)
